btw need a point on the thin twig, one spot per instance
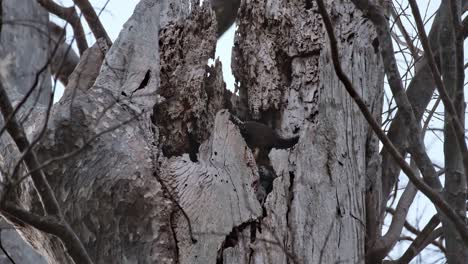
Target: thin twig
(409, 42)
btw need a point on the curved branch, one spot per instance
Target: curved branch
(65, 60)
(383, 246)
(93, 20)
(435, 198)
(449, 106)
(47, 197)
(68, 14)
(419, 92)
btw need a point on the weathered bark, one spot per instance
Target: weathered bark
(108, 190)
(16, 247)
(287, 80)
(140, 192)
(24, 28)
(451, 45)
(217, 193)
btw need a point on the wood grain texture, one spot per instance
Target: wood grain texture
(284, 67)
(217, 192)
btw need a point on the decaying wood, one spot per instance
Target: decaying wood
(217, 192)
(107, 189)
(154, 79)
(282, 61)
(192, 92)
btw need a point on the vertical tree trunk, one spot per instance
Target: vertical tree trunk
(179, 183)
(23, 28)
(316, 211)
(451, 45)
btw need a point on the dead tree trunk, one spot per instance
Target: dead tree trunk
(148, 166)
(316, 211)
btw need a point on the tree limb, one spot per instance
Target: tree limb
(416, 231)
(383, 245)
(416, 145)
(68, 14)
(435, 198)
(419, 92)
(421, 241)
(65, 60)
(46, 194)
(449, 106)
(93, 20)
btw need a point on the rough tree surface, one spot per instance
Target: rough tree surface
(16, 38)
(131, 193)
(281, 58)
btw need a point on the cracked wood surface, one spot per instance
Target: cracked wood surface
(107, 189)
(282, 62)
(120, 210)
(217, 192)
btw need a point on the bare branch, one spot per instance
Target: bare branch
(449, 106)
(438, 201)
(68, 14)
(416, 231)
(93, 20)
(385, 244)
(419, 92)
(48, 224)
(429, 116)
(415, 52)
(406, 114)
(421, 241)
(65, 60)
(46, 194)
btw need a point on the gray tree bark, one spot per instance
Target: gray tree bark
(451, 44)
(282, 60)
(177, 181)
(24, 28)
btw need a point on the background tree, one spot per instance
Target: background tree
(144, 159)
